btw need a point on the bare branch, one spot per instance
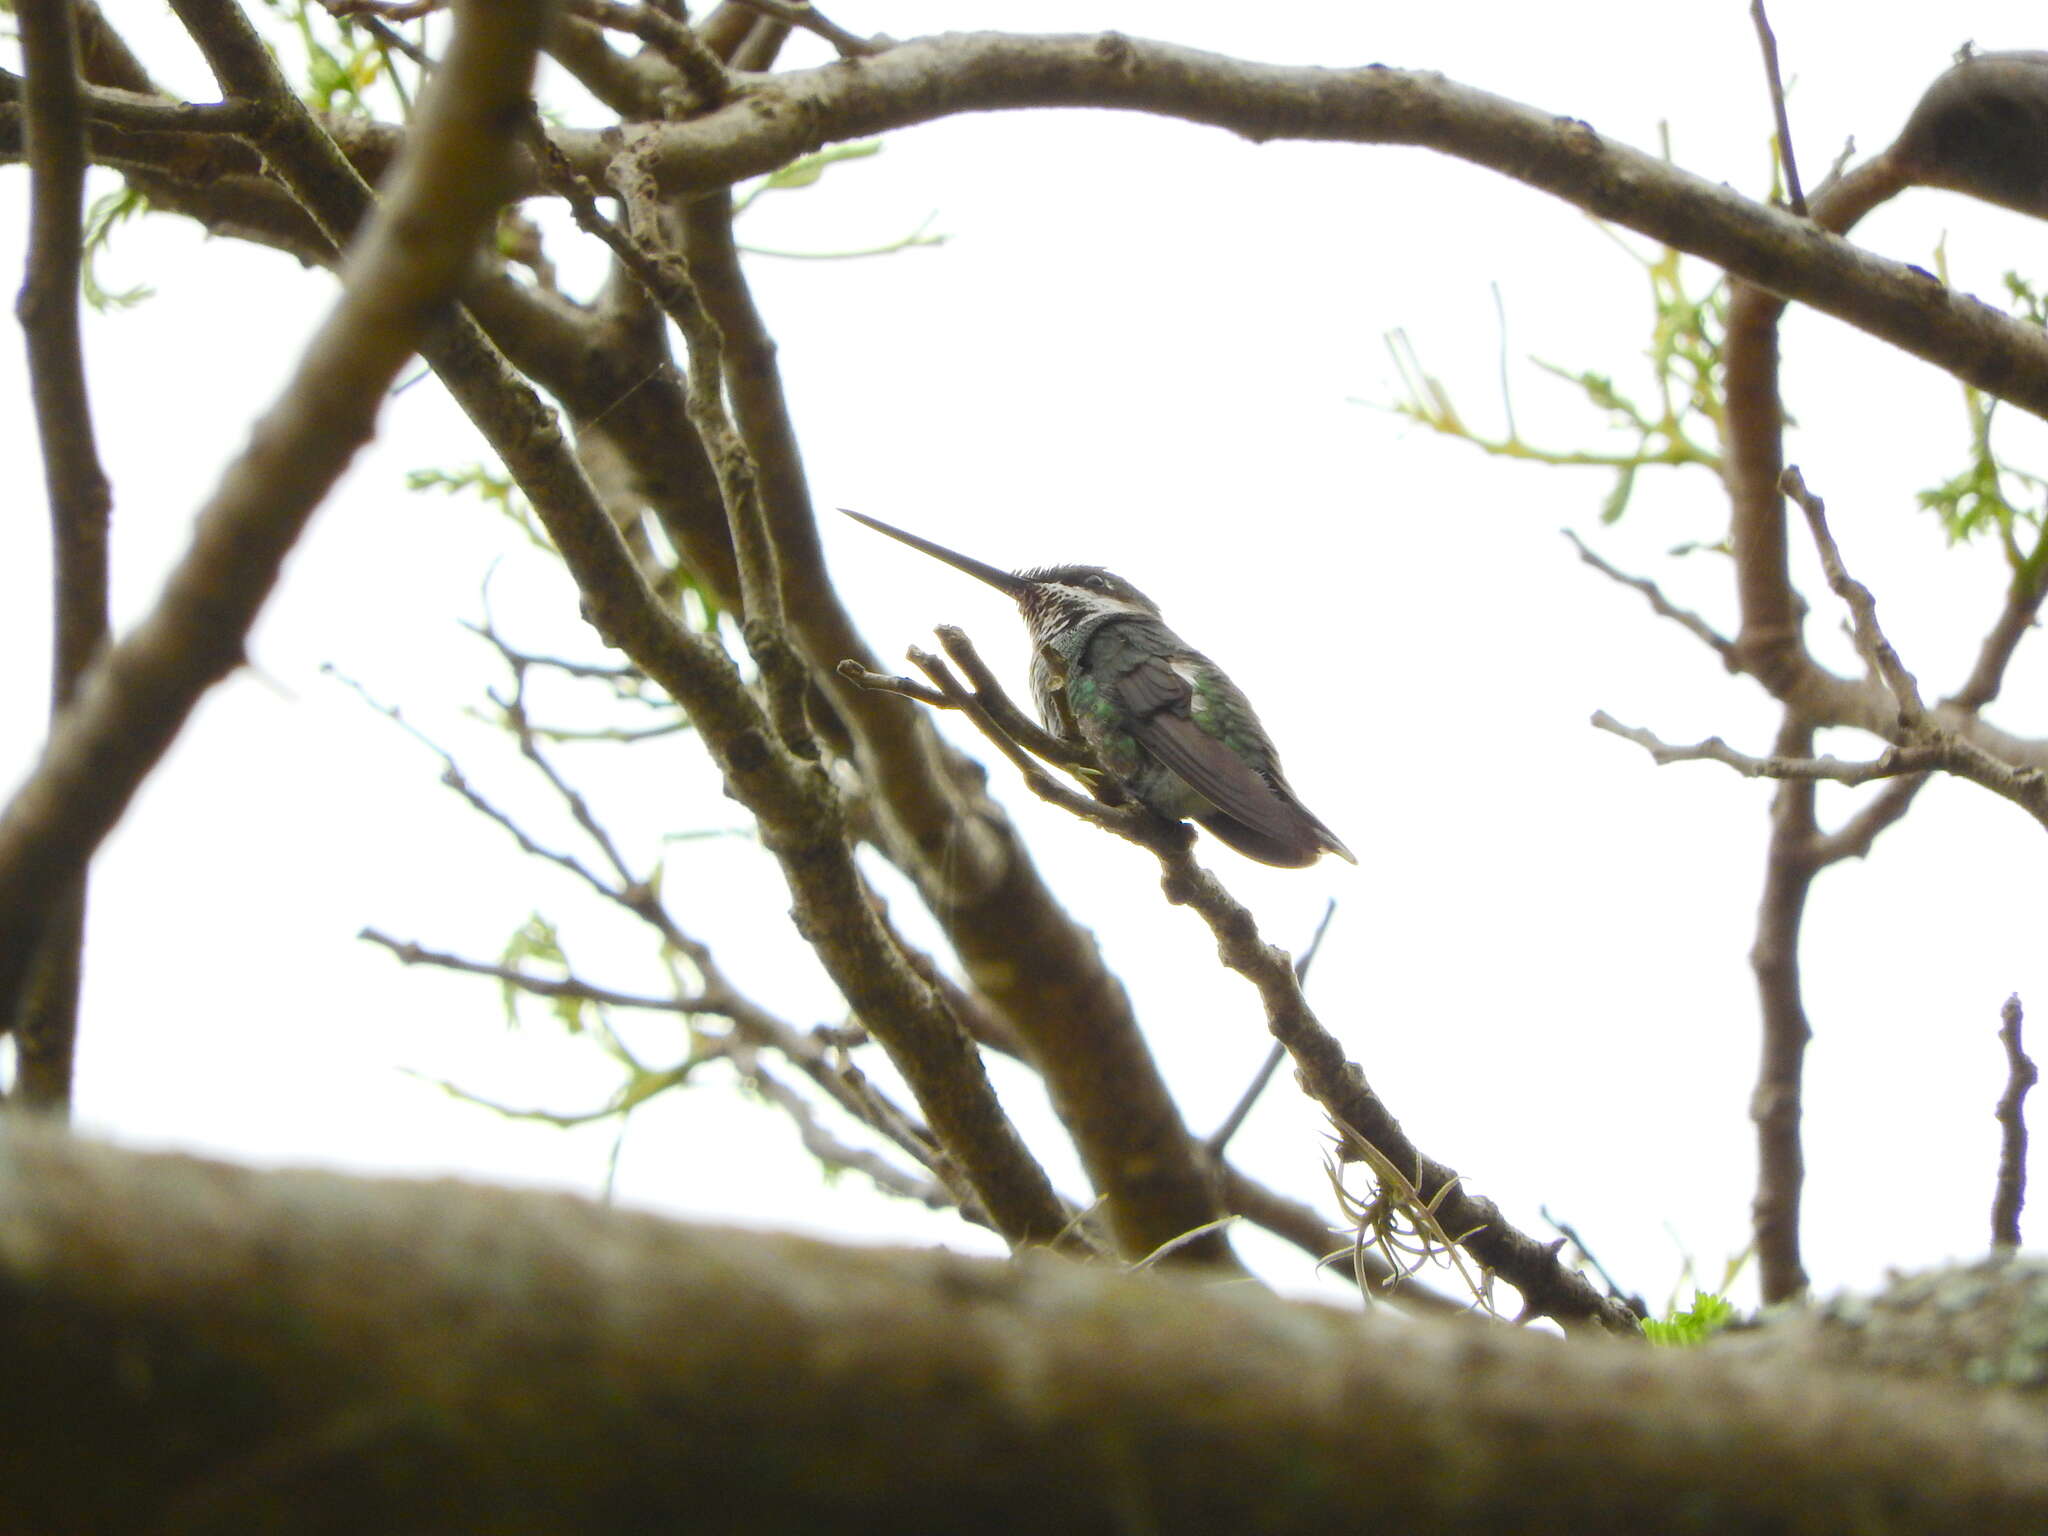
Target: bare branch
(1795, 196)
(687, 1369)
(882, 682)
(697, 66)
(1660, 605)
(1892, 763)
(1854, 838)
(1026, 732)
(1220, 1137)
(2015, 620)
(384, 10)
(802, 14)
(1870, 638)
(1777, 1104)
(410, 953)
(80, 501)
(934, 77)
(832, 1153)
(2020, 1075)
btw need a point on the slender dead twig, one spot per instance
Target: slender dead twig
(1662, 606)
(2020, 1075)
(1220, 1138)
(1871, 643)
(1856, 836)
(1893, 762)
(383, 10)
(833, 1154)
(885, 682)
(408, 953)
(1571, 1235)
(701, 70)
(805, 16)
(2016, 619)
(1769, 42)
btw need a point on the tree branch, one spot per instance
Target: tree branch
(722, 1380)
(1776, 1105)
(2020, 1075)
(80, 500)
(1660, 605)
(931, 78)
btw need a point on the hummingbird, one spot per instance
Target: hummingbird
(1161, 718)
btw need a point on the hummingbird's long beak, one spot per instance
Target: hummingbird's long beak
(1002, 581)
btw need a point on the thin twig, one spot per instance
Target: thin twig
(1719, 643)
(1769, 42)
(1853, 838)
(882, 682)
(1014, 722)
(702, 71)
(1891, 763)
(410, 953)
(803, 15)
(2020, 1075)
(1870, 638)
(2016, 619)
(1131, 821)
(832, 1153)
(454, 778)
(383, 10)
(1571, 1235)
(1236, 1118)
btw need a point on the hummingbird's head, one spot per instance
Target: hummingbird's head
(1076, 591)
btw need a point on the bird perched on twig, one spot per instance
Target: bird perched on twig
(1160, 717)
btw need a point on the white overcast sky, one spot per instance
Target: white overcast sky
(1160, 349)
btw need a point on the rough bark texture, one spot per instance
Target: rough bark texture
(197, 1347)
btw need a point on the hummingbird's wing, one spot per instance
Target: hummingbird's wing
(1261, 817)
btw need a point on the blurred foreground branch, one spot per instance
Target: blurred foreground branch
(295, 1332)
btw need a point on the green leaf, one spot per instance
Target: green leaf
(1617, 499)
(535, 939)
(806, 171)
(1706, 1316)
(101, 218)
